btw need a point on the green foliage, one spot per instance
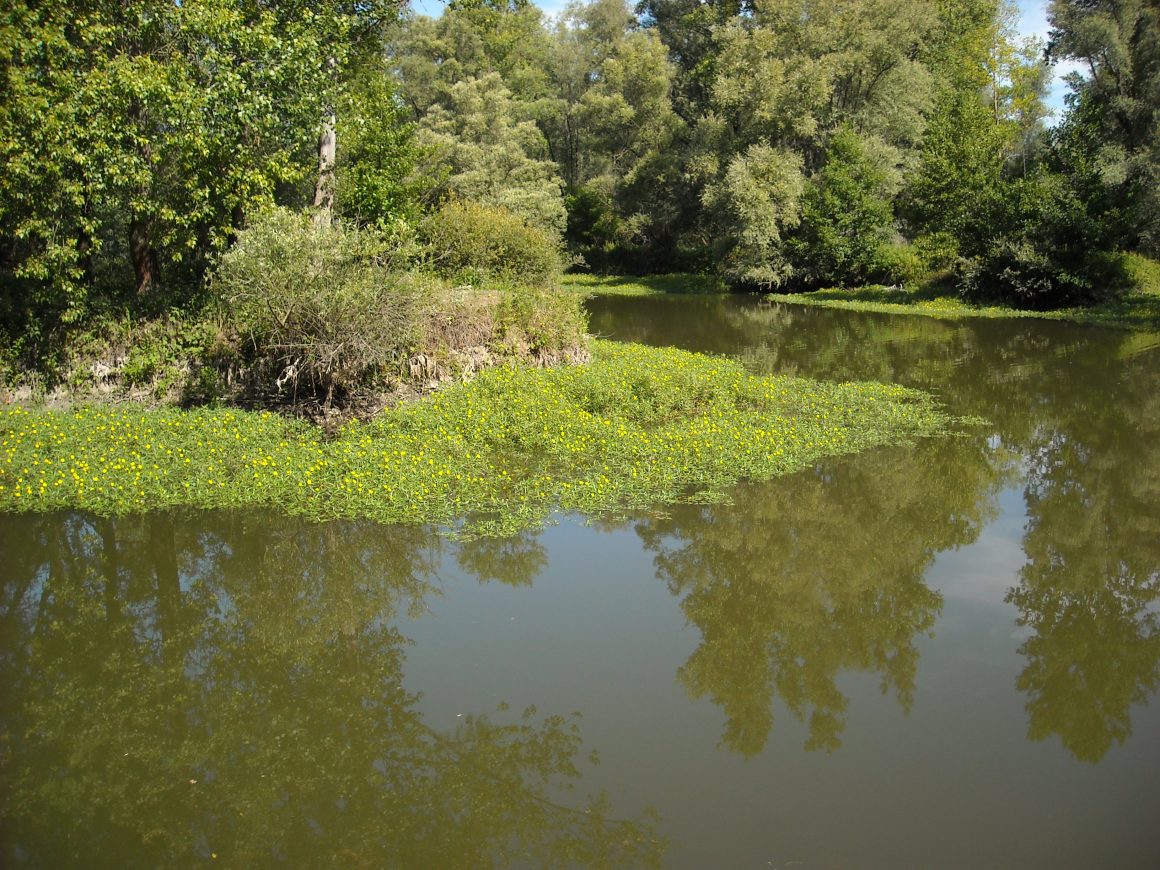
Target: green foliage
(160, 352)
(938, 250)
(898, 263)
(636, 428)
(1143, 274)
(379, 176)
(594, 227)
(476, 243)
(846, 216)
(959, 181)
(545, 324)
(794, 71)
(1115, 110)
(318, 309)
(756, 201)
(158, 122)
(686, 28)
(491, 154)
(1042, 253)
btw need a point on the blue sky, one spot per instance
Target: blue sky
(1032, 22)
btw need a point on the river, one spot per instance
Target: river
(939, 655)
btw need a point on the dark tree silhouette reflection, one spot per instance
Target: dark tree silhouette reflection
(212, 685)
(803, 578)
(1091, 588)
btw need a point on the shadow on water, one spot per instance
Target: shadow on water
(183, 688)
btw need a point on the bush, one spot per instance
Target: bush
(546, 324)
(1143, 273)
(897, 263)
(846, 218)
(1022, 273)
(474, 244)
(937, 251)
(1043, 253)
(318, 309)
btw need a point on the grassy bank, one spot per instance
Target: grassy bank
(319, 360)
(324, 320)
(634, 428)
(1139, 310)
(643, 285)
(1134, 311)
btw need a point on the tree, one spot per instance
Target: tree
(492, 155)
(1117, 103)
(618, 131)
(159, 125)
(756, 201)
(958, 183)
(686, 28)
(381, 171)
(846, 214)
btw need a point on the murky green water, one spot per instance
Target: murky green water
(939, 656)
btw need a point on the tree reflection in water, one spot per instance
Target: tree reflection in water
(1091, 587)
(232, 686)
(1079, 406)
(805, 577)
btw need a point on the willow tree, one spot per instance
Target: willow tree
(1115, 116)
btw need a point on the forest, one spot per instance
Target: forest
(292, 192)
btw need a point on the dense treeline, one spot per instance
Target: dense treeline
(802, 144)
(784, 143)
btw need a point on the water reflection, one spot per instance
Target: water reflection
(515, 561)
(1091, 586)
(231, 687)
(1077, 408)
(806, 577)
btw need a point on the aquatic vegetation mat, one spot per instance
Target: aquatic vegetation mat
(635, 428)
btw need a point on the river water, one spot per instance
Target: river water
(941, 655)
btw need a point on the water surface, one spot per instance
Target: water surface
(937, 655)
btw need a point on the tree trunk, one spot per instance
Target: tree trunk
(112, 566)
(146, 265)
(163, 554)
(324, 186)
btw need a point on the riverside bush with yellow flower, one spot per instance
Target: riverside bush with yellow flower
(635, 428)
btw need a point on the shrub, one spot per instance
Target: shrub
(547, 324)
(937, 251)
(1029, 275)
(1143, 274)
(897, 263)
(846, 217)
(1043, 252)
(316, 306)
(474, 243)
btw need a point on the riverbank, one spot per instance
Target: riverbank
(635, 428)
(643, 285)
(1137, 311)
